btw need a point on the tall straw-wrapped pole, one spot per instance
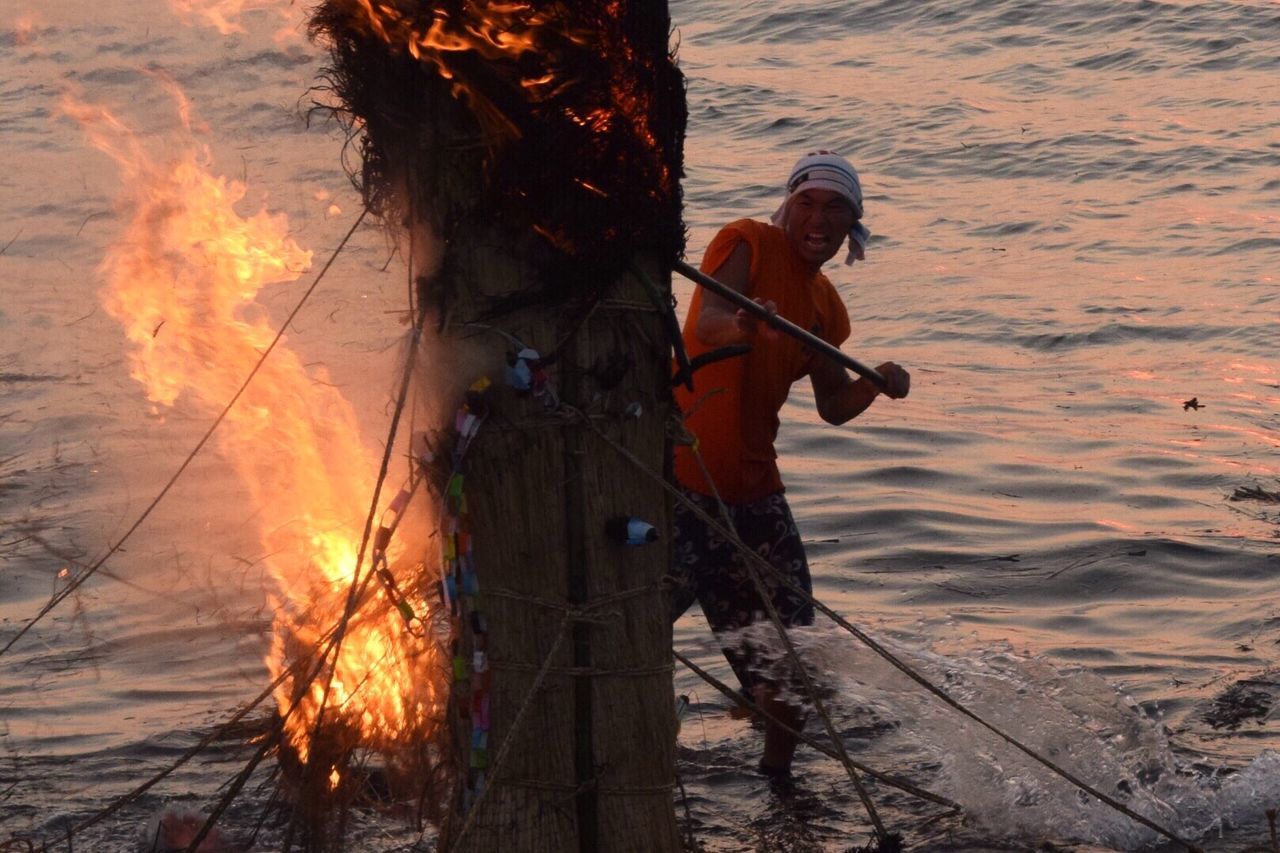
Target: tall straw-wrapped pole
(533, 153)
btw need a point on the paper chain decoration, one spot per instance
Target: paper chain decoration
(459, 587)
(460, 590)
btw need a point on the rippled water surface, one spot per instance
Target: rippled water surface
(1076, 219)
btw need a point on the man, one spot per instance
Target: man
(733, 413)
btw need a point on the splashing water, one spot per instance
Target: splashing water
(1071, 717)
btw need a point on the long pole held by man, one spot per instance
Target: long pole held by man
(732, 412)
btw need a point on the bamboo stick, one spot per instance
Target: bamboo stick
(780, 323)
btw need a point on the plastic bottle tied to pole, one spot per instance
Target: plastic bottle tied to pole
(682, 709)
(629, 530)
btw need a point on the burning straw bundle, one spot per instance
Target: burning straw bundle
(537, 147)
(560, 124)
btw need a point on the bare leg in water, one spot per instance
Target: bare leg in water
(779, 744)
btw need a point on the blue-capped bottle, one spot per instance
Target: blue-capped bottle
(629, 530)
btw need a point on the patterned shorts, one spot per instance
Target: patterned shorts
(711, 570)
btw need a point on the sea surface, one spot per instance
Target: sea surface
(1072, 522)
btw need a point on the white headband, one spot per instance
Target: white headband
(823, 170)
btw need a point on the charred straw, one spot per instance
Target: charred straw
(556, 145)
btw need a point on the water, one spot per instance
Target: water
(1076, 232)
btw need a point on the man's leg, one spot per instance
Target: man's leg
(716, 571)
(769, 528)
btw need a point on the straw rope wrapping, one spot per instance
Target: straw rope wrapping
(761, 563)
(571, 615)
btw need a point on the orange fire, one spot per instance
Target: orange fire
(514, 35)
(496, 30)
(183, 280)
(503, 31)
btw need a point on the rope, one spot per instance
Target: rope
(237, 785)
(572, 614)
(333, 637)
(586, 671)
(79, 579)
(897, 663)
(646, 790)
(358, 584)
(882, 835)
(561, 606)
(610, 790)
(629, 306)
(671, 324)
(217, 734)
(753, 571)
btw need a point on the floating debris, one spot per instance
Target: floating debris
(1236, 705)
(1255, 493)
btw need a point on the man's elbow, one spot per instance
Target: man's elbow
(834, 414)
(840, 405)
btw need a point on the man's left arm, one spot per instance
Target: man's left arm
(841, 398)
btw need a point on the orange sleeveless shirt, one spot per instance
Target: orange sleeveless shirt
(733, 408)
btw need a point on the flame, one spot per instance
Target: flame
(516, 38)
(512, 33)
(183, 280)
(497, 30)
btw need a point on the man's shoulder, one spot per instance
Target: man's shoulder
(757, 233)
(753, 226)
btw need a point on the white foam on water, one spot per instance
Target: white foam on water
(1070, 716)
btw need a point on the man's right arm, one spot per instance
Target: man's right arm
(720, 323)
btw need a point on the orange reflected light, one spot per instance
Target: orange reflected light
(24, 29)
(183, 280)
(1265, 370)
(225, 15)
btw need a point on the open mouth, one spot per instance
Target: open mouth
(817, 241)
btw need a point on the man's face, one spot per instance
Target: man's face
(817, 223)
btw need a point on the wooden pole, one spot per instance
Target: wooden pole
(540, 199)
(592, 764)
